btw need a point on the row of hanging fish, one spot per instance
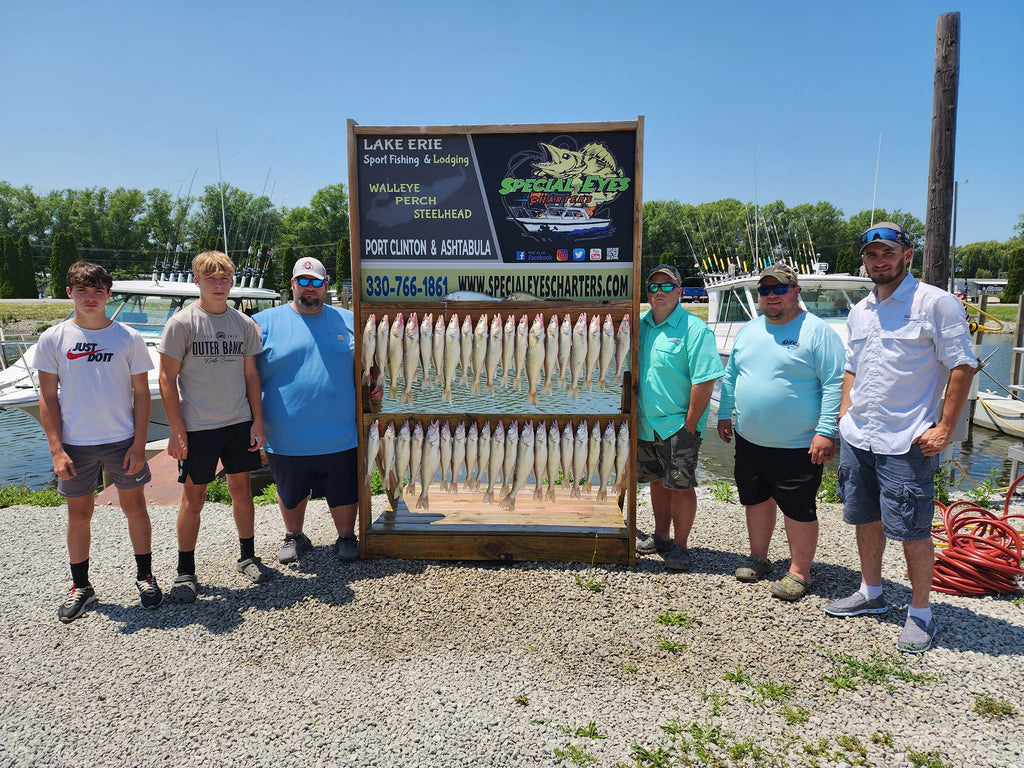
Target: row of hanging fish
(409, 347)
(570, 456)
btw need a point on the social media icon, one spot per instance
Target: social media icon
(613, 254)
(595, 254)
(520, 255)
(562, 255)
(579, 254)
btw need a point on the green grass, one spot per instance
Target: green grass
(15, 495)
(267, 496)
(665, 644)
(675, 619)
(796, 715)
(932, 759)
(828, 492)
(575, 755)
(588, 731)
(46, 312)
(739, 676)
(849, 672)
(993, 708)
(217, 491)
(723, 491)
(590, 583)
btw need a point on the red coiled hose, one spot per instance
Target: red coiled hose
(982, 552)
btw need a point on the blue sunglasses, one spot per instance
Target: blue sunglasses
(778, 289)
(665, 287)
(885, 233)
(305, 281)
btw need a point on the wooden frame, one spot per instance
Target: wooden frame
(462, 526)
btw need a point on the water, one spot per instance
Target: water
(25, 457)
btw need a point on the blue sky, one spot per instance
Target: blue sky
(129, 93)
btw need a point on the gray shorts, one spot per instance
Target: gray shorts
(674, 459)
(88, 460)
(898, 490)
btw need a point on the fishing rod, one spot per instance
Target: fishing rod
(177, 273)
(223, 212)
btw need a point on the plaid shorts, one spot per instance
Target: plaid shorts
(674, 459)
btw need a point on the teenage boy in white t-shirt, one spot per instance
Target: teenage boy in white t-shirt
(98, 415)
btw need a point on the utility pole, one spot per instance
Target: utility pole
(943, 150)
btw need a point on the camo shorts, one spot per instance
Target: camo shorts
(674, 459)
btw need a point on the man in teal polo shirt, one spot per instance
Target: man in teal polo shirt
(679, 365)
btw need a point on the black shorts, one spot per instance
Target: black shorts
(230, 445)
(784, 474)
(328, 475)
(674, 459)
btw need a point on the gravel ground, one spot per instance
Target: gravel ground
(418, 663)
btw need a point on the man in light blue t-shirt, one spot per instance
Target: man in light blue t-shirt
(784, 382)
(307, 373)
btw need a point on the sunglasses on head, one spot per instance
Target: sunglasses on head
(305, 281)
(885, 233)
(666, 287)
(778, 289)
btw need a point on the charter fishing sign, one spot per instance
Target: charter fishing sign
(494, 212)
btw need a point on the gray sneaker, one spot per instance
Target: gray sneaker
(677, 558)
(648, 545)
(856, 605)
(294, 547)
(347, 547)
(254, 568)
(184, 588)
(916, 637)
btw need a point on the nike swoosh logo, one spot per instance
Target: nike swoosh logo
(76, 355)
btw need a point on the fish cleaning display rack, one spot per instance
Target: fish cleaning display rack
(513, 221)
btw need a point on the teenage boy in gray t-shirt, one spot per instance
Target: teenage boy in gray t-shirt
(98, 415)
(211, 394)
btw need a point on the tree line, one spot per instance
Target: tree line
(129, 231)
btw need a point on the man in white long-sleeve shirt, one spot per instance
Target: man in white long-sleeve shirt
(908, 342)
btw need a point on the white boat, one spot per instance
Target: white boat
(145, 305)
(732, 302)
(1000, 413)
(563, 219)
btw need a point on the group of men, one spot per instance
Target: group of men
(284, 381)
(789, 393)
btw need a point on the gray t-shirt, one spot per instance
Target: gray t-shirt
(212, 350)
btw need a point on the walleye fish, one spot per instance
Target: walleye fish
(567, 457)
(607, 464)
(412, 355)
(564, 350)
(508, 468)
(466, 348)
(369, 346)
(593, 160)
(415, 459)
(396, 352)
(495, 460)
(493, 352)
(607, 351)
(458, 456)
(402, 457)
(550, 354)
(554, 459)
(383, 334)
(372, 449)
(388, 465)
(593, 456)
(540, 458)
(593, 351)
(446, 455)
(621, 456)
(621, 349)
(523, 465)
(450, 358)
(508, 349)
(578, 355)
(479, 350)
(427, 349)
(472, 446)
(534, 358)
(579, 458)
(483, 455)
(431, 461)
(522, 341)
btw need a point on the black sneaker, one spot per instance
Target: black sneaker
(648, 545)
(150, 595)
(347, 547)
(77, 601)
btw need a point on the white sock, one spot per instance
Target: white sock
(869, 592)
(924, 614)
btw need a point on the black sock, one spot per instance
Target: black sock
(80, 573)
(248, 548)
(143, 565)
(187, 563)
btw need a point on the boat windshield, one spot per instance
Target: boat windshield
(146, 314)
(832, 302)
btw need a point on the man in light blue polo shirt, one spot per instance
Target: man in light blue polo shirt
(679, 365)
